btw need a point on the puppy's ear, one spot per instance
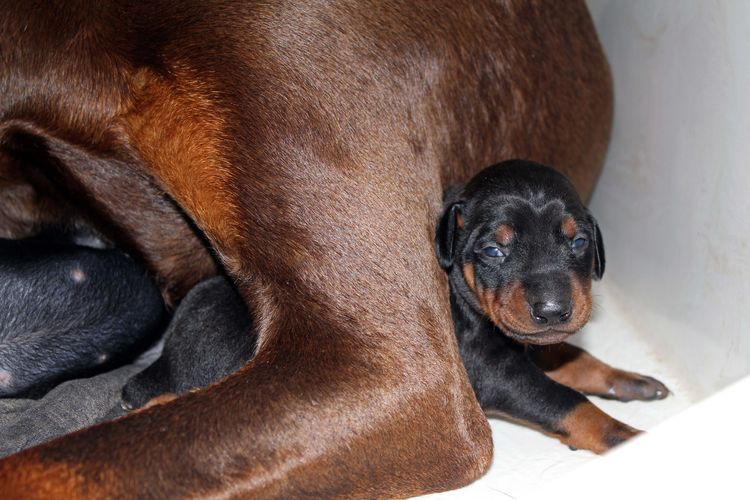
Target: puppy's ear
(446, 234)
(599, 260)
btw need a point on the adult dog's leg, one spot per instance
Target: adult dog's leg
(318, 412)
(576, 368)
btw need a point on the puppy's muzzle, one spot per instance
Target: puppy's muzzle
(549, 299)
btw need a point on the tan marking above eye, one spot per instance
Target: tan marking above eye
(504, 234)
(459, 221)
(569, 226)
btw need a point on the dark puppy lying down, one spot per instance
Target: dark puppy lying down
(520, 250)
(210, 336)
(69, 311)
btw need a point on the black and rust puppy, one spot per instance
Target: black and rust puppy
(209, 337)
(69, 311)
(521, 251)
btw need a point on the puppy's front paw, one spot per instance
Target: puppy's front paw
(159, 400)
(587, 427)
(628, 386)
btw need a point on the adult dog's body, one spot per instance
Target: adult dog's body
(310, 144)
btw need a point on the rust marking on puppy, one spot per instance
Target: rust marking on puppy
(460, 221)
(506, 307)
(573, 367)
(587, 427)
(503, 306)
(486, 298)
(569, 227)
(509, 310)
(159, 400)
(514, 316)
(469, 277)
(580, 292)
(504, 234)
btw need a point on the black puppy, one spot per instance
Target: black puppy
(210, 336)
(521, 250)
(69, 311)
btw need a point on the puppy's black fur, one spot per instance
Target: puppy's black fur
(210, 337)
(69, 311)
(520, 250)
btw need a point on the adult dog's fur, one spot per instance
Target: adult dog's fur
(306, 146)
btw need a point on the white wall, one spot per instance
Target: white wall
(673, 200)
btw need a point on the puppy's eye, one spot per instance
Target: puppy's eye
(492, 251)
(579, 243)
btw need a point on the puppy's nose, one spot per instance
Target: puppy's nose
(550, 313)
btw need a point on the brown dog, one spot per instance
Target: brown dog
(307, 147)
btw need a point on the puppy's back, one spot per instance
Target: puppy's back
(69, 311)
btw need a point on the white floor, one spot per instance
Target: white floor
(525, 460)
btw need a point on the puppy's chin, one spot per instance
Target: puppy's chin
(539, 338)
(525, 332)
(529, 333)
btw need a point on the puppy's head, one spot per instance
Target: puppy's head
(522, 249)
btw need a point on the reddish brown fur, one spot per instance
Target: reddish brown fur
(159, 400)
(55, 480)
(509, 310)
(504, 234)
(459, 221)
(576, 368)
(587, 427)
(506, 308)
(569, 227)
(469, 276)
(287, 133)
(177, 127)
(580, 292)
